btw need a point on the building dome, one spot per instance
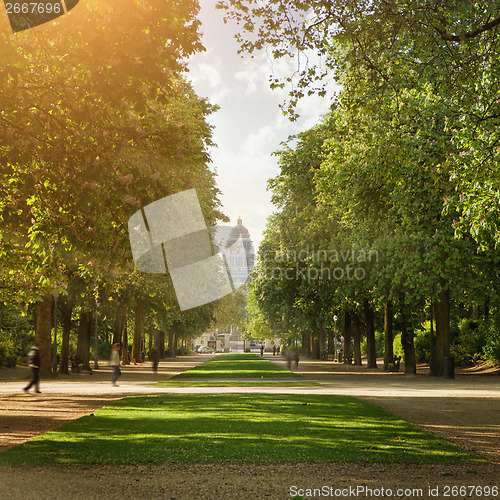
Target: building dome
(241, 264)
(239, 230)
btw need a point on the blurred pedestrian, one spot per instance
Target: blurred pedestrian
(115, 363)
(274, 350)
(262, 351)
(155, 358)
(34, 364)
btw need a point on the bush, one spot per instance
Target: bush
(423, 343)
(397, 346)
(184, 351)
(3, 354)
(492, 344)
(7, 357)
(468, 347)
(11, 361)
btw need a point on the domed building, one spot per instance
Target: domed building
(240, 254)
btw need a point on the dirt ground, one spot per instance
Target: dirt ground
(464, 410)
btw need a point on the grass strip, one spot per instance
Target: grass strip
(186, 428)
(236, 366)
(233, 383)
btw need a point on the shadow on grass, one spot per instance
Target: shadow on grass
(236, 428)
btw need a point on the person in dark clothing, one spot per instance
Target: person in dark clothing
(274, 350)
(34, 364)
(262, 350)
(155, 358)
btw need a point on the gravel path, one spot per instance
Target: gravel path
(464, 410)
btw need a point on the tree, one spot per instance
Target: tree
(91, 135)
(382, 48)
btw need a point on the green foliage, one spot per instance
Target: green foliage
(16, 335)
(90, 135)
(229, 311)
(256, 327)
(469, 345)
(184, 350)
(248, 428)
(7, 357)
(379, 343)
(477, 341)
(398, 347)
(492, 346)
(379, 50)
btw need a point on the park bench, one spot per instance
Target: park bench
(393, 366)
(75, 364)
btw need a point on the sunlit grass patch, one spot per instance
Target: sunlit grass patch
(234, 383)
(236, 428)
(236, 366)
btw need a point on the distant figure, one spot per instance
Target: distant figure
(291, 355)
(155, 358)
(115, 363)
(278, 350)
(262, 350)
(274, 350)
(34, 364)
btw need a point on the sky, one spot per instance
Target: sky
(249, 126)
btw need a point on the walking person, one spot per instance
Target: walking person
(155, 358)
(274, 350)
(262, 351)
(34, 364)
(115, 363)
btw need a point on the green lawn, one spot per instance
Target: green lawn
(233, 383)
(227, 366)
(236, 428)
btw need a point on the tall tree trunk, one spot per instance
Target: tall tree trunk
(143, 334)
(388, 335)
(307, 344)
(315, 345)
(331, 340)
(67, 309)
(371, 349)
(442, 331)
(347, 334)
(171, 342)
(118, 326)
(43, 333)
(432, 363)
(125, 351)
(161, 343)
(176, 343)
(84, 334)
(475, 312)
(356, 333)
(322, 339)
(407, 337)
(137, 342)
